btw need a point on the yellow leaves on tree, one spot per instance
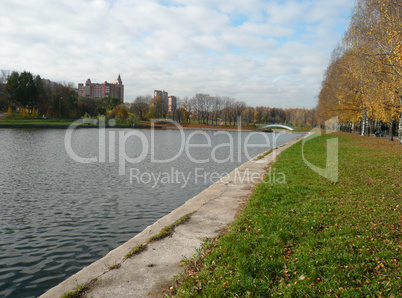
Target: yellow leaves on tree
(365, 73)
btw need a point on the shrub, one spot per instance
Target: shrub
(132, 120)
(24, 112)
(35, 112)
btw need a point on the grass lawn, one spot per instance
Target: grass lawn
(38, 122)
(312, 237)
(17, 119)
(302, 129)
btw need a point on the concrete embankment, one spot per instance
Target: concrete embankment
(145, 274)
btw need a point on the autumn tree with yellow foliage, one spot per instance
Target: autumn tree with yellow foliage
(363, 83)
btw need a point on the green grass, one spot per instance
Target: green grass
(115, 266)
(302, 129)
(311, 237)
(17, 119)
(263, 155)
(168, 230)
(136, 250)
(165, 232)
(79, 292)
(37, 122)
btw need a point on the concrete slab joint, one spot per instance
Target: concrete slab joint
(144, 274)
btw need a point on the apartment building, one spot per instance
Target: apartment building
(169, 101)
(98, 90)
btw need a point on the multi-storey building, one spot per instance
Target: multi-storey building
(168, 101)
(98, 90)
(172, 103)
(162, 94)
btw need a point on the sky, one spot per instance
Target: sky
(263, 52)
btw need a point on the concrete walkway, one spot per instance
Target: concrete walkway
(147, 273)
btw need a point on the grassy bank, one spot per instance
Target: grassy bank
(312, 237)
(38, 122)
(16, 120)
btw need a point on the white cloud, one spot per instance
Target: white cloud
(262, 52)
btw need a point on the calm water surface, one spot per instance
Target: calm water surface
(58, 215)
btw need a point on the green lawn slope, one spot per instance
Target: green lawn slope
(312, 237)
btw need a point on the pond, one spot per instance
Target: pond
(59, 214)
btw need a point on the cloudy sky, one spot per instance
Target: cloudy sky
(264, 52)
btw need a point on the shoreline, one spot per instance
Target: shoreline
(212, 128)
(148, 272)
(63, 126)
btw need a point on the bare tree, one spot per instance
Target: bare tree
(238, 108)
(188, 108)
(202, 104)
(248, 115)
(227, 107)
(140, 106)
(4, 76)
(216, 108)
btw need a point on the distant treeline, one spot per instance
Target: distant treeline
(30, 92)
(216, 110)
(25, 90)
